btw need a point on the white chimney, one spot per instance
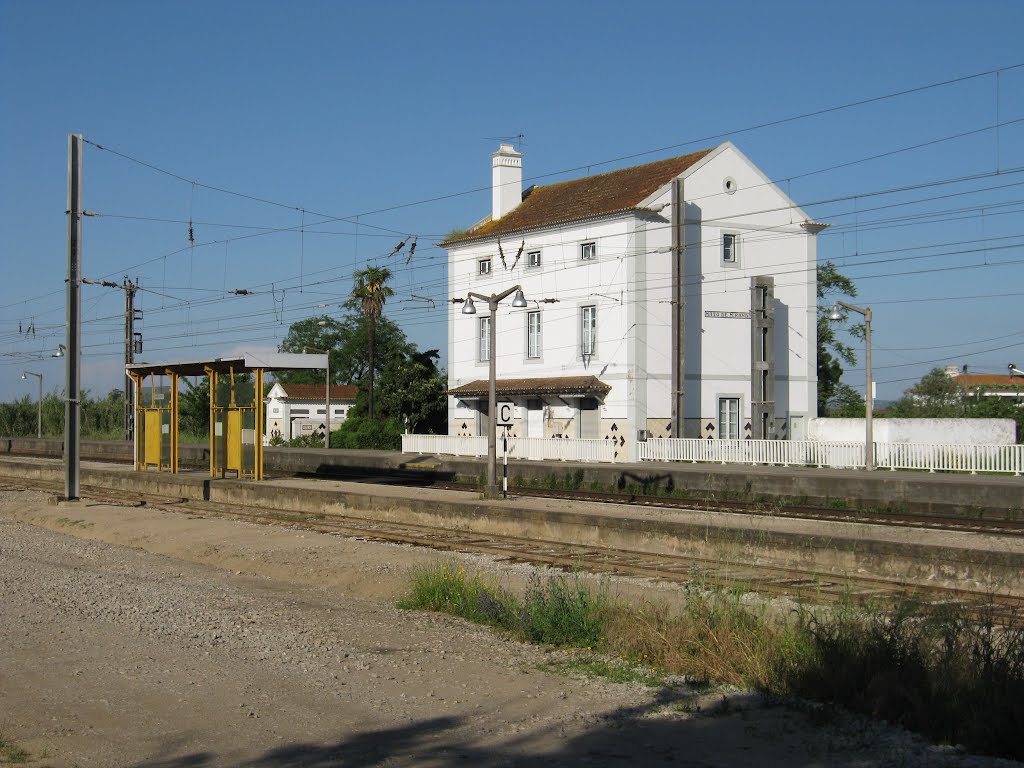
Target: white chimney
(506, 180)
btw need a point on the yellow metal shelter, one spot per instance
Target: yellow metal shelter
(236, 413)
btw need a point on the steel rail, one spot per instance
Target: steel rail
(812, 587)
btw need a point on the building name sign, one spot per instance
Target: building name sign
(731, 315)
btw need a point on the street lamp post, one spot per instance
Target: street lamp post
(491, 489)
(39, 409)
(869, 397)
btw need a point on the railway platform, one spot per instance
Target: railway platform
(679, 543)
(900, 491)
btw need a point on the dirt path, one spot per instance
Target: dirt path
(139, 637)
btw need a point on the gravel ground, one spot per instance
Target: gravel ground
(140, 637)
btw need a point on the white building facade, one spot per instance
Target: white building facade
(607, 356)
(300, 410)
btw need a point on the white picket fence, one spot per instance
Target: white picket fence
(538, 448)
(813, 453)
(1007, 459)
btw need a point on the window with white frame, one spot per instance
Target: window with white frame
(484, 266)
(729, 418)
(588, 330)
(730, 247)
(533, 258)
(533, 334)
(485, 339)
(588, 251)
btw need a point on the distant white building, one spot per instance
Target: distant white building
(619, 251)
(1003, 385)
(294, 410)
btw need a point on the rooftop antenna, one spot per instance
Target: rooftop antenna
(518, 141)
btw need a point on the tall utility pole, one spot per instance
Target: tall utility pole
(72, 426)
(132, 345)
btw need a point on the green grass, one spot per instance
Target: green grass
(935, 670)
(11, 754)
(557, 611)
(615, 671)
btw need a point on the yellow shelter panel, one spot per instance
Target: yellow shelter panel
(153, 439)
(234, 440)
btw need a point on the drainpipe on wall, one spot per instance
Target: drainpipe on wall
(678, 306)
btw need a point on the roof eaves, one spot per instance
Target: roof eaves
(547, 225)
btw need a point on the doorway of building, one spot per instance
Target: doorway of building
(589, 421)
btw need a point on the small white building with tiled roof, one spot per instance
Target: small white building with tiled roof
(681, 299)
(296, 410)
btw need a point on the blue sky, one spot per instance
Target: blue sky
(349, 110)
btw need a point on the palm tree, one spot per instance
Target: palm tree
(371, 291)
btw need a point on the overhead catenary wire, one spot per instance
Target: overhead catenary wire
(301, 271)
(183, 178)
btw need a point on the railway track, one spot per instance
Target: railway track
(977, 524)
(1005, 525)
(804, 585)
(804, 512)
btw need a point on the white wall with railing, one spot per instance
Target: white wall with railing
(538, 448)
(819, 453)
(933, 457)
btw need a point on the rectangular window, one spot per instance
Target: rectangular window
(485, 339)
(588, 251)
(533, 258)
(533, 334)
(484, 266)
(588, 330)
(730, 247)
(729, 418)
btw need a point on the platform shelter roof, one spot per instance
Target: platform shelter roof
(248, 362)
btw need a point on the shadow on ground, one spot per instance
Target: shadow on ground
(742, 731)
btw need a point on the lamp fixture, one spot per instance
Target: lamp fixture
(469, 308)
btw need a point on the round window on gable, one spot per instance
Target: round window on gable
(729, 185)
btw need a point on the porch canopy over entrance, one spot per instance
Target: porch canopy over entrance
(236, 409)
(581, 394)
(555, 386)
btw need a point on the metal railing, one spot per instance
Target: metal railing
(933, 457)
(537, 448)
(451, 445)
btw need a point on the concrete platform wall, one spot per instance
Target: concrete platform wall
(839, 550)
(950, 493)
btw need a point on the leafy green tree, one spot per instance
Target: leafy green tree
(832, 352)
(370, 289)
(194, 408)
(347, 339)
(99, 418)
(18, 419)
(194, 401)
(316, 333)
(413, 389)
(845, 402)
(935, 396)
(981, 407)
(381, 434)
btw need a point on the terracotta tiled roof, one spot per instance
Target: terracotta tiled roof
(1000, 380)
(551, 385)
(585, 198)
(316, 392)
